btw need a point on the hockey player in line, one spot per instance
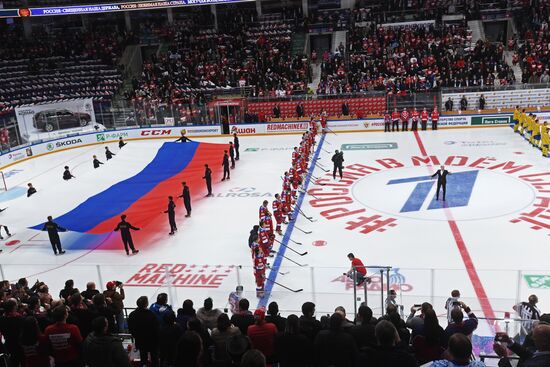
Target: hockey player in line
(108, 153)
(259, 271)
(125, 228)
(278, 213)
(53, 233)
(96, 162)
(171, 211)
(67, 175)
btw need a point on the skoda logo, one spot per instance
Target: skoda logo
(450, 142)
(183, 131)
(50, 146)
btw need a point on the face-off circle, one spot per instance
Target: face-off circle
(472, 193)
(319, 243)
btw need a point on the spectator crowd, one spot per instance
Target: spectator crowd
(83, 328)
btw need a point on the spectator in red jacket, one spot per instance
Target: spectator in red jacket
(262, 334)
(64, 339)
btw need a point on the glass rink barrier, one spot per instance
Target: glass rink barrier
(491, 300)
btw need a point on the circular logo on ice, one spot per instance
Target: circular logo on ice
(471, 193)
(50, 147)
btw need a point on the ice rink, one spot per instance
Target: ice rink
(489, 240)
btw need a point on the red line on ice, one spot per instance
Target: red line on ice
(464, 253)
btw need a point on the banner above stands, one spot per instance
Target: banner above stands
(107, 7)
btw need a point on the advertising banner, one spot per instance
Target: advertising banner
(54, 120)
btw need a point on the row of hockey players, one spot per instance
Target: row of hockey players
(262, 236)
(532, 129)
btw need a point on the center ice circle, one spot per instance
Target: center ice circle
(472, 194)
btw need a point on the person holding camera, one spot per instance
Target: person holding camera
(458, 324)
(452, 303)
(114, 295)
(539, 358)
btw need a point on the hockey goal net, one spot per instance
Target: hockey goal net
(3, 186)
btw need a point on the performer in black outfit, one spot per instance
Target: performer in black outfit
(183, 138)
(225, 164)
(171, 215)
(53, 229)
(121, 143)
(236, 145)
(31, 190)
(208, 177)
(337, 160)
(232, 154)
(125, 228)
(97, 163)
(108, 153)
(441, 181)
(67, 175)
(186, 196)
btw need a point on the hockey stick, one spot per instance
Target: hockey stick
(309, 218)
(296, 242)
(301, 230)
(304, 214)
(290, 248)
(292, 261)
(326, 170)
(285, 287)
(307, 193)
(280, 272)
(326, 151)
(331, 131)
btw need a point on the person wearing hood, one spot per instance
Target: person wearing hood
(208, 315)
(100, 349)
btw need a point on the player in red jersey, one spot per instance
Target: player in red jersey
(435, 118)
(414, 116)
(278, 213)
(424, 115)
(405, 120)
(265, 215)
(395, 116)
(259, 271)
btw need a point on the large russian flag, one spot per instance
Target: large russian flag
(143, 197)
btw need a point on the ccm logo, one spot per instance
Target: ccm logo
(155, 132)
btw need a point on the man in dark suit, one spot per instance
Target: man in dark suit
(441, 181)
